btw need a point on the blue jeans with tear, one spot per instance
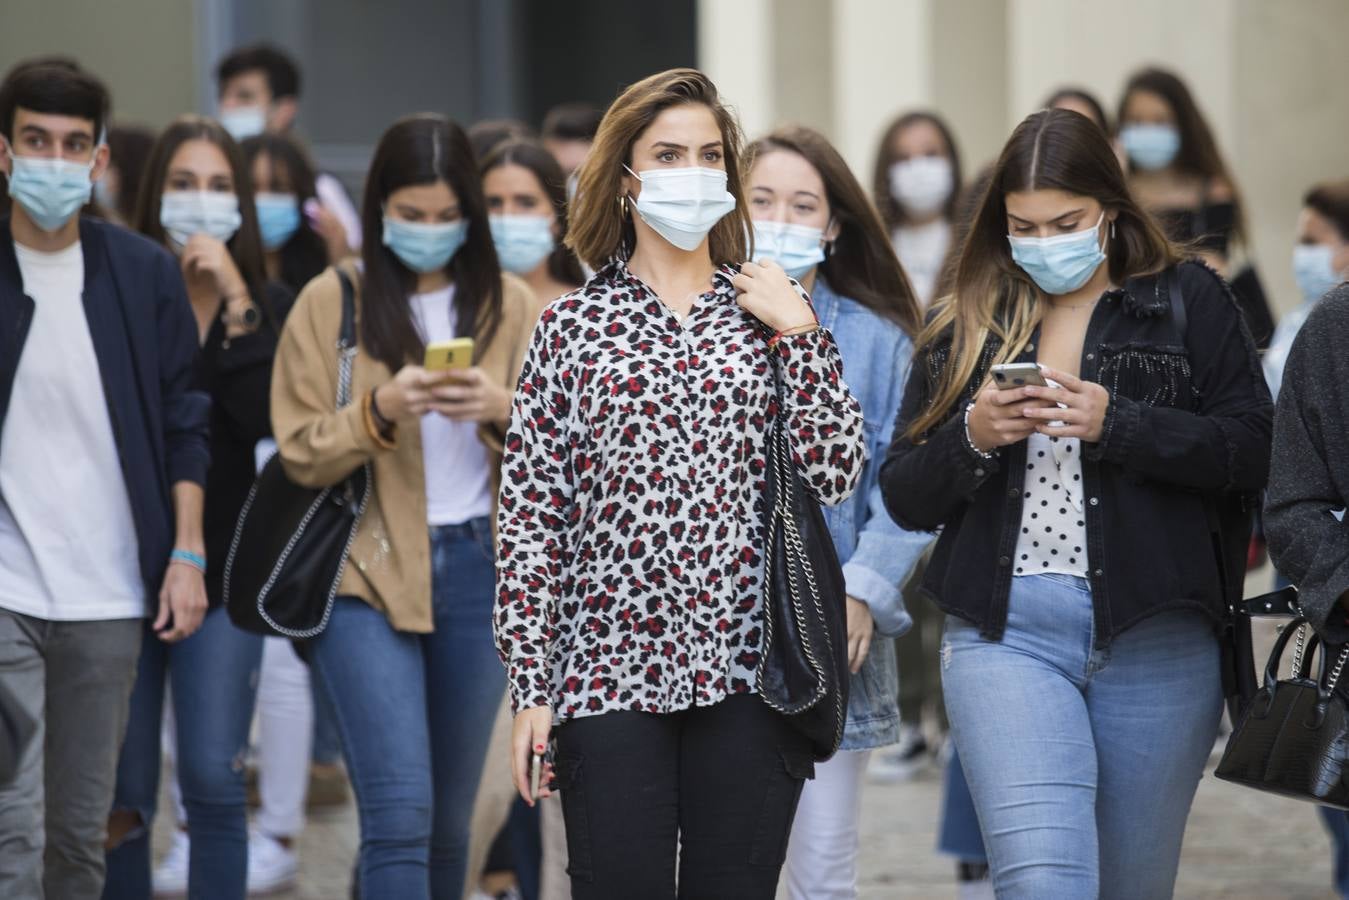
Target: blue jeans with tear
(1082, 763)
(212, 678)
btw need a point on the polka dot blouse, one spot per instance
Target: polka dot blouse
(1053, 528)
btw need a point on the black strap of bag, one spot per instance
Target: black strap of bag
(291, 543)
(803, 670)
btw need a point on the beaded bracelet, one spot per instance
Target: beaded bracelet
(187, 557)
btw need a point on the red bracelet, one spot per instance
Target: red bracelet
(792, 332)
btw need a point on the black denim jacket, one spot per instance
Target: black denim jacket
(1185, 445)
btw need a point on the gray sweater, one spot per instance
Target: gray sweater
(1309, 470)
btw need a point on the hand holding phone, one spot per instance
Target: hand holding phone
(444, 356)
(1014, 375)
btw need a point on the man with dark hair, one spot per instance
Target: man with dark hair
(259, 90)
(103, 456)
(568, 131)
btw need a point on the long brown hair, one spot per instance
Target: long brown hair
(1198, 154)
(425, 149)
(600, 229)
(1051, 149)
(563, 266)
(246, 245)
(860, 262)
(305, 255)
(892, 214)
(1331, 200)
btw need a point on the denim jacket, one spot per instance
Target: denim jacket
(877, 554)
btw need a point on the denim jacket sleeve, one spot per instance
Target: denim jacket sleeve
(885, 553)
(186, 410)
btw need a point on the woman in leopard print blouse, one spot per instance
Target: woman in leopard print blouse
(629, 573)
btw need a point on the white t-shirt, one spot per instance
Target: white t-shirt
(922, 250)
(458, 486)
(68, 548)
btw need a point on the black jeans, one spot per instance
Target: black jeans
(717, 786)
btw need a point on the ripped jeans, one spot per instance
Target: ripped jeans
(212, 679)
(1082, 762)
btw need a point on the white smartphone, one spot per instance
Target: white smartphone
(1014, 375)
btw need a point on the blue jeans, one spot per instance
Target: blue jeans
(415, 714)
(1337, 823)
(213, 680)
(959, 834)
(1082, 763)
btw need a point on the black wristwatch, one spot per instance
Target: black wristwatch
(249, 318)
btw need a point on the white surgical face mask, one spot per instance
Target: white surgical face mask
(923, 184)
(243, 122)
(213, 213)
(682, 205)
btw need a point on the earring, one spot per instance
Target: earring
(1112, 229)
(623, 205)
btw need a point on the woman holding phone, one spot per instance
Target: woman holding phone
(629, 609)
(406, 659)
(1083, 684)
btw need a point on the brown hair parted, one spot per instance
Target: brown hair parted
(1052, 149)
(246, 245)
(424, 149)
(892, 214)
(562, 263)
(600, 229)
(860, 263)
(1331, 199)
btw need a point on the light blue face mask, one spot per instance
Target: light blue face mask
(1063, 263)
(1150, 146)
(278, 218)
(1314, 269)
(424, 247)
(522, 242)
(50, 191)
(797, 248)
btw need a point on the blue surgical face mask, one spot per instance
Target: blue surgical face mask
(1314, 269)
(682, 205)
(522, 242)
(1150, 146)
(212, 213)
(424, 247)
(1063, 263)
(797, 248)
(243, 122)
(278, 218)
(50, 191)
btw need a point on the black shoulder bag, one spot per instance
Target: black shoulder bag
(803, 671)
(291, 543)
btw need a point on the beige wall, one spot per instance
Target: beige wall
(143, 49)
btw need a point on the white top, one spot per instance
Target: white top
(68, 548)
(922, 250)
(1053, 527)
(458, 486)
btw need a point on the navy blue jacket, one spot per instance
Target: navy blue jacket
(145, 337)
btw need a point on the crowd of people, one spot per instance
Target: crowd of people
(650, 299)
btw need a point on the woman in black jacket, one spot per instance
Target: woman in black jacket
(1076, 559)
(197, 201)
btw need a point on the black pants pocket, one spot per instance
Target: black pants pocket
(782, 792)
(570, 783)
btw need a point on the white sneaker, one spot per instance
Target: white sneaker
(271, 865)
(170, 879)
(905, 762)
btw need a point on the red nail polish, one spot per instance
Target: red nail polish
(538, 747)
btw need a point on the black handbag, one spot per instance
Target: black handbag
(803, 671)
(291, 543)
(1293, 738)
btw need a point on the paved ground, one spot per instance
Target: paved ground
(1240, 846)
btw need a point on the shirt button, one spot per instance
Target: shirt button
(1094, 501)
(1098, 573)
(1004, 561)
(1091, 356)
(978, 473)
(1014, 493)
(360, 564)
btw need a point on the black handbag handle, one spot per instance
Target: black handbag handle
(1276, 654)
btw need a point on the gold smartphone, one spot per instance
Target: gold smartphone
(445, 355)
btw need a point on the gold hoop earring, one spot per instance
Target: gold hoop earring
(623, 205)
(1112, 229)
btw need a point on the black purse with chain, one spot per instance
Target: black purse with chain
(803, 672)
(1293, 738)
(291, 543)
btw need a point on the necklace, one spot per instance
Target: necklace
(1057, 306)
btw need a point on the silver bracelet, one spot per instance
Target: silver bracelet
(969, 440)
